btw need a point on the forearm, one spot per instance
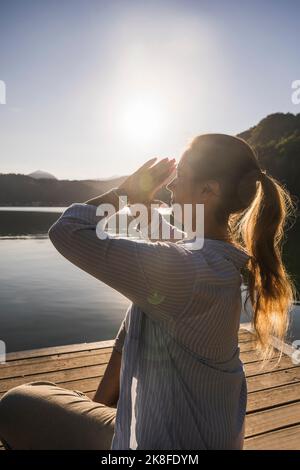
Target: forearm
(109, 388)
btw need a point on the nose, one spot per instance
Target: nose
(171, 185)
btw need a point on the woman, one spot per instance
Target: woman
(176, 356)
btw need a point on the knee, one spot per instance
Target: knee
(18, 397)
(15, 405)
(18, 407)
(11, 398)
(11, 402)
(10, 405)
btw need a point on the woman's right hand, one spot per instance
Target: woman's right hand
(142, 185)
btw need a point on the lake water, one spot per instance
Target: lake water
(45, 300)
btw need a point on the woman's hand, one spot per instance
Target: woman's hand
(147, 180)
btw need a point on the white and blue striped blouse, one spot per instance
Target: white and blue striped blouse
(182, 383)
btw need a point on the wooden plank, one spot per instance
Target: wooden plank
(68, 355)
(284, 439)
(247, 346)
(255, 368)
(272, 419)
(273, 397)
(11, 371)
(273, 379)
(57, 377)
(59, 350)
(252, 356)
(245, 335)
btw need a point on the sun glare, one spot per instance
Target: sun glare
(142, 119)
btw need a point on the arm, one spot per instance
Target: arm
(108, 389)
(137, 269)
(158, 277)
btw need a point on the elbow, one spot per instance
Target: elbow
(63, 237)
(56, 234)
(59, 235)
(51, 232)
(53, 237)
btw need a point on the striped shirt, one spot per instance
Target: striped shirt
(182, 383)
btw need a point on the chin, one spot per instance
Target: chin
(176, 202)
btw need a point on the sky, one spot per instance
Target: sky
(94, 88)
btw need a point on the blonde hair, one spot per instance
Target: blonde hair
(257, 208)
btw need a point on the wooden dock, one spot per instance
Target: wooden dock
(273, 412)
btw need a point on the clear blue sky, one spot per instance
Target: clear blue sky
(95, 88)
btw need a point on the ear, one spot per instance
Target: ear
(212, 187)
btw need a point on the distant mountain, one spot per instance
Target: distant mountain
(275, 138)
(113, 177)
(23, 190)
(39, 174)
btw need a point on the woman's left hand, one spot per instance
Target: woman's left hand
(147, 180)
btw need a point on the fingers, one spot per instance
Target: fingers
(163, 162)
(162, 167)
(157, 174)
(157, 167)
(147, 164)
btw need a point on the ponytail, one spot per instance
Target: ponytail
(271, 289)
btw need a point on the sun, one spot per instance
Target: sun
(142, 118)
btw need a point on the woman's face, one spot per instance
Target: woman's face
(182, 186)
(187, 190)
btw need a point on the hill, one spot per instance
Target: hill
(275, 138)
(23, 190)
(39, 174)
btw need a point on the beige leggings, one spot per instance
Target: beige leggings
(42, 415)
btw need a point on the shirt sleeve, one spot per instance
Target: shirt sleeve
(120, 338)
(158, 277)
